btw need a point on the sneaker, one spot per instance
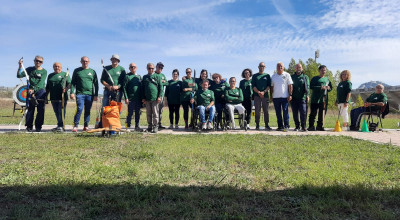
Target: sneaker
(149, 129)
(209, 126)
(75, 129)
(312, 128)
(279, 129)
(155, 130)
(38, 129)
(296, 129)
(186, 127)
(285, 129)
(29, 129)
(171, 127)
(320, 129)
(54, 129)
(85, 128)
(303, 129)
(248, 127)
(203, 126)
(267, 128)
(161, 127)
(257, 127)
(176, 126)
(58, 129)
(137, 128)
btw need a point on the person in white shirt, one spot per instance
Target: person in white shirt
(282, 89)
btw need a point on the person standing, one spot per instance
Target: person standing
(133, 96)
(55, 86)
(203, 76)
(188, 87)
(234, 98)
(37, 80)
(247, 89)
(159, 68)
(173, 94)
(300, 97)
(281, 90)
(261, 83)
(152, 90)
(205, 102)
(85, 87)
(343, 96)
(319, 102)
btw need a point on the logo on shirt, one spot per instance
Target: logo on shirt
(283, 77)
(89, 74)
(341, 86)
(264, 77)
(118, 73)
(208, 95)
(237, 93)
(376, 98)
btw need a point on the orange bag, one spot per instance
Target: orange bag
(111, 114)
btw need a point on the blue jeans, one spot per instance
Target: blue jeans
(83, 100)
(133, 105)
(282, 104)
(40, 96)
(299, 106)
(202, 112)
(57, 107)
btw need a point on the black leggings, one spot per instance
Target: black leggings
(174, 108)
(247, 105)
(185, 106)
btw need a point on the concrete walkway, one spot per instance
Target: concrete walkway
(386, 136)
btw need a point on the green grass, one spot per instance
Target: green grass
(6, 116)
(216, 176)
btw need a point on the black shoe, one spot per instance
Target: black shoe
(296, 129)
(29, 129)
(149, 129)
(161, 127)
(279, 129)
(320, 129)
(38, 130)
(303, 129)
(312, 128)
(257, 127)
(267, 128)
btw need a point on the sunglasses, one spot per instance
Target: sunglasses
(38, 61)
(132, 67)
(261, 66)
(188, 72)
(150, 68)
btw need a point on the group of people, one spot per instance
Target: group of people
(210, 96)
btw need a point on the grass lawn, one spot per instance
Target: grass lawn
(66, 176)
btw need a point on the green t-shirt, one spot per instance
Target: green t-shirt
(164, 80)
(299, 89)
(37, 78)
(55, 83)
(247, 88)
(185, 96)
(132, 87)
(152, 87)
(317, 95)
(219, 91)
(261, 82)
(343, 89)
(375, 97)
(118, 75)
(85, 82)
(173, 92)
(204, 98)
(233, 96)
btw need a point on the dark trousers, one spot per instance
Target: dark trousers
(247, 105)
(185, 106)
(299, 106)
(57, 107)
(160, 110)
(282, 104)
(314, 108)
(219, 107)
(133, 106)
(174, 108)
(40, 96)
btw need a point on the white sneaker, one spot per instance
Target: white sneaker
(209, 126)
(75, 129)
(203, 126)
(171, 127)
(176, 126)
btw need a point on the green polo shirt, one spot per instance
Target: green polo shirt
(118, 75)
(37, 78)
(261, 82)
(173, 92)
(219, 91)
(299, 86)
(185, 96)
(164, 80)
(132, 87)
(247, 88)
(85, 82)
(375, 97)
(233, 96)
(317, 95)
(152, 87)
(343, 89)
(55, 83)
(204, 98)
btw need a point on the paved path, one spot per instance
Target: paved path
(386, 136)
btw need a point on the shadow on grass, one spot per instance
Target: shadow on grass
(139, 201)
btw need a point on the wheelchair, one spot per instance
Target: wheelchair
(196, 124)
(369, 114)
(226, 121)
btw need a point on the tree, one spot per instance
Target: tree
(359, 102)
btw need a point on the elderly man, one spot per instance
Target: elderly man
(261, 83)
(281, 90)
(373, 103)
(85, 85)
(152, 90)
(55, 86)
(205, 102)
(301, 87)
(133, 97)
(37, 80)
(159, 68)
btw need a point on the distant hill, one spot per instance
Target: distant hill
(371, 84)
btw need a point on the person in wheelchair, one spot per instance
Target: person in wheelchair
(218, 87)
(204, 99)
(373, 103)
(234, 98)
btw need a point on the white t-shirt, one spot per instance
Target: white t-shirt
(281, 85)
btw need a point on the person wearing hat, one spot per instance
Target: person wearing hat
(112, 87)
(152, 93)
(85, 87)
(159, 68)
(37, 80)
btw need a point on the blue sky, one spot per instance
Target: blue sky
(223, 36)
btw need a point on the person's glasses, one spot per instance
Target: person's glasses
(149, 68)
(132, 67)
(188, 72)
(38, 61)
(85, 61)
(261, 66)
(215, 77)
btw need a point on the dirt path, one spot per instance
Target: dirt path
(386, 136)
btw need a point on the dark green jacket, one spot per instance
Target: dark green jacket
(299, 86)
(375, 97)
(152, 87)
(317, 95)
(132, 87)
(55, 83)
(204, 98)
(261, 82)
(247, 88)
(185, 96)
(233, 96)
(343, 89)
(219, 91)
(173, 92)
(37, 78)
